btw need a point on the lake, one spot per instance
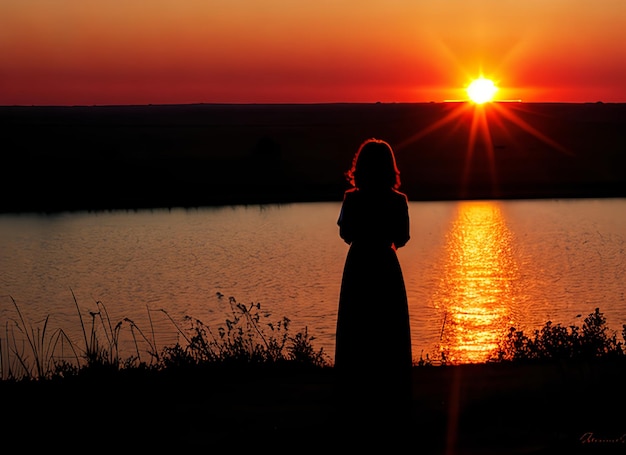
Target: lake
(473, 269)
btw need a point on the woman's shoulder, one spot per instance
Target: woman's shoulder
(351, 193)
(399, 195)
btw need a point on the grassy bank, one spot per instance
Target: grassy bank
(249, 338)
(256, 386)
(538, 408)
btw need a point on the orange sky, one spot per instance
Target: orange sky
(67, 52)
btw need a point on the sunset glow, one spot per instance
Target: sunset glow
(243, 51)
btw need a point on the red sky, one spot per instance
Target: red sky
(84, 52)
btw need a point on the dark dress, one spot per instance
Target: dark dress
(373, 357)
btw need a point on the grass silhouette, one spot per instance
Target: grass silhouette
(250, 384)
(248, 339)
(245, 339)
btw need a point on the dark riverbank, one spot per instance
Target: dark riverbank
(467, 409)
(133, 157)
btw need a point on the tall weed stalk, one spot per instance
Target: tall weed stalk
(34, 354)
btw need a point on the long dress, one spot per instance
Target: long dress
(373, 343)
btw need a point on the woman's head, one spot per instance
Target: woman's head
(374, 166)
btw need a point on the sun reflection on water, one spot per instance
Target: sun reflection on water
(476, 291)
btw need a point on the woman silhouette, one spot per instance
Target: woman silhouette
(373, 357)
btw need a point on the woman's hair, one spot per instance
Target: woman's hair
(374, 165)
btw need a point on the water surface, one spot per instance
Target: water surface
(473, 269)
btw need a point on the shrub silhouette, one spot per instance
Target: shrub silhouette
(556, 342)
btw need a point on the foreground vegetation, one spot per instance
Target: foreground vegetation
(557, 342)
(245, 339)
(248, 339)
(251, 384)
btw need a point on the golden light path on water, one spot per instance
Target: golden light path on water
(475, 293)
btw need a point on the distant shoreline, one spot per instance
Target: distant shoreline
(255, 199)
(76, 158)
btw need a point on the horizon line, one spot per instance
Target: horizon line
(304, 103)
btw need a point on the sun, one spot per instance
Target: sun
(481, 90)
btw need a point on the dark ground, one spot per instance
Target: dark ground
(466, 409)
(132, 157)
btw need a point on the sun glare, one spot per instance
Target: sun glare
(481, 90)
